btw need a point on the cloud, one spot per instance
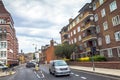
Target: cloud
(41, 19)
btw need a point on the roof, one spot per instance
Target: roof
(2, 9)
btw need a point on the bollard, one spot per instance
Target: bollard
(10, 72)
(36, 67)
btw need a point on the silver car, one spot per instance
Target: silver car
(59, 67)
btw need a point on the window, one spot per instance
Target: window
(101, 1)
(74, 31)
(99, 41)
(117, 36)
(79, 38)
(118, 51)
(71, 33)
(98, 29)
(113, 6)
(73, 24)
(94, 6)
(78, 20)
(2, 21)
(75, 40)
(116, 20)
(103, 12)
(110, 54)
(2, 53)
(78, 29)
(3, 45)
(72, 41)
(96, 17)
(85, 45)
(105, 25)
(101, 53)
(107, 39)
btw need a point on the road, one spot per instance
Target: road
(23, 73)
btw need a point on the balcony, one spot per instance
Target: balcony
(89, 37)
(65, 40)
(88, 49)
(87, 14)
(89, 25)
(64, 33)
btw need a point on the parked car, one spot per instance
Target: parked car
(59, 67)
(3, 67)
(30, 65)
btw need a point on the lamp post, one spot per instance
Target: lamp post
(93, 49)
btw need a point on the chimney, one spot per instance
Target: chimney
(52, 42)
(70, 20)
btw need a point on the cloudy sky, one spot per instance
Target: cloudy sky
(38, 21)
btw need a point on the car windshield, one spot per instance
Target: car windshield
(60, 63)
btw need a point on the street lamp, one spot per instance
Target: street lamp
(93, 49)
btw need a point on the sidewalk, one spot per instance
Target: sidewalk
(6, 73)
(114, 72)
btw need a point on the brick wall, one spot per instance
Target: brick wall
(109, 65)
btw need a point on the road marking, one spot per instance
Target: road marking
(83, 77)
(38, 76)
(71, 73)
(98, 74)
(76, 75)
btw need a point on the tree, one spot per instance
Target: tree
(65, 50)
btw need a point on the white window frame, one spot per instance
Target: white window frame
(116, 20)
(79, 38)
(105, 25)
(103, 13)
(113, 6)
(118, 50)
(78, 29)
(94, 6)
(75, 40)
(117, 36)
(101, 2)
(107, 39)
(98, 29)
(74, 31)
(100, 41)
(96, 17)
(102, 53)
(3, 44)
(110, 53)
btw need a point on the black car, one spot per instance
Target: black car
(30, 64)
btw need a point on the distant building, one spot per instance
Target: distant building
(21, 58)
(96, 26)
(8, 40)
(48, 52)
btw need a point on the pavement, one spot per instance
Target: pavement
(6, 73)
(113, 72)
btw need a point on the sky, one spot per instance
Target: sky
(38, 21)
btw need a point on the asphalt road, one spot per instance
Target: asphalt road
(23, 73)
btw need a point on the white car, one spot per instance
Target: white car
(59, 67)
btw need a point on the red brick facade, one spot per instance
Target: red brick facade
(8, 40)
(96, 25)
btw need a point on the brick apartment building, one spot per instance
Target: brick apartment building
(97, 25)
(8, 40)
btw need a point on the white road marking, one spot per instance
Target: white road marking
(76, 75)
(83, 77)
(71, 73)
(38, 76)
